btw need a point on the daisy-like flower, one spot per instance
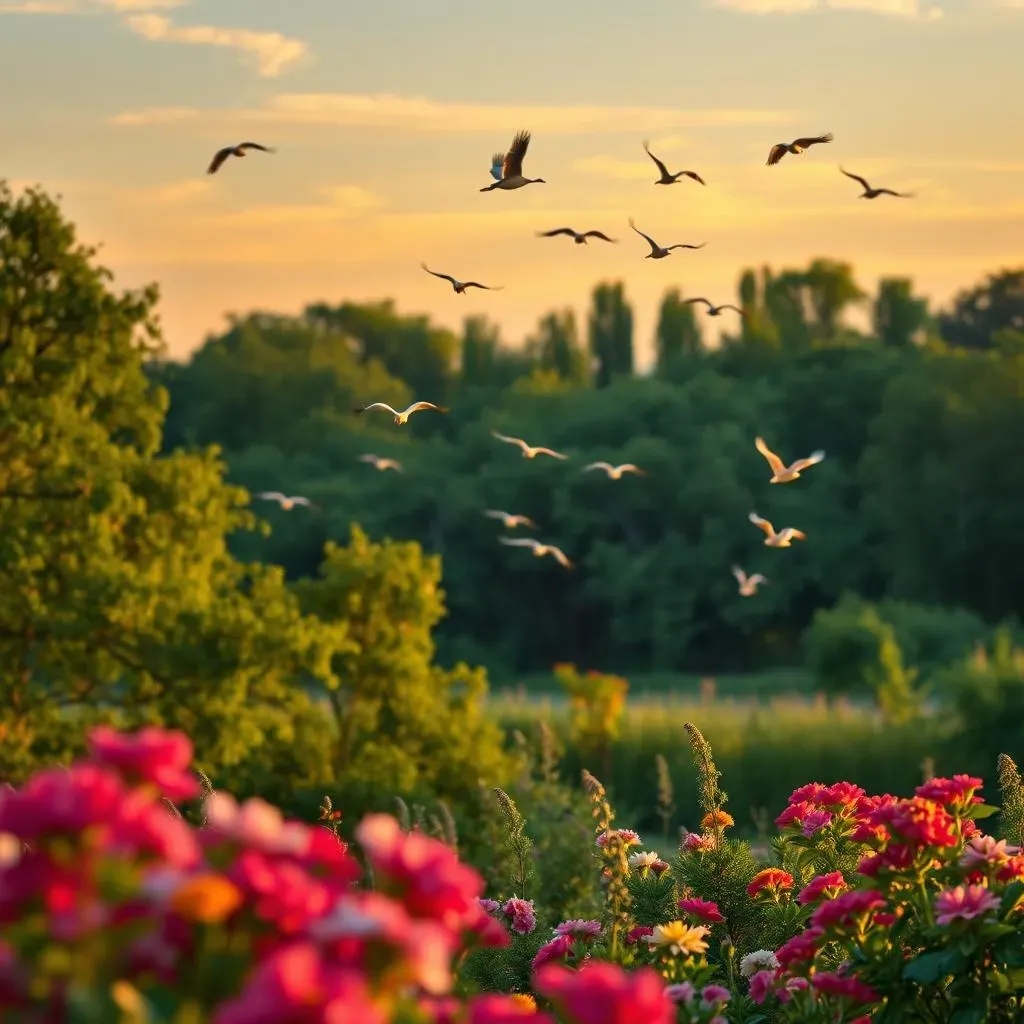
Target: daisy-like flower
(987, 850)
(696, 843)
(964, 902)
(524, 918)
(772, 880)
(626, 836)
(717, 819)
(704, 910)
(643, 861)
(759, 960)
(679, 938)
(579, 929)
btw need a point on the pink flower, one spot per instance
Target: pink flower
(626, 836)
(151, 756)
(846, 910)
(955, 792)
(791, 985)
(823, 885)
(795, 813)
(681, 993)
(815, 821)
(491, 906)
(715, 996)
(579, 929)
(428, 876)
(636, 934)
(256, 824)
(799, 949)
(703, 910)
(604, 993)
(500, 1009)
(918, 821)
(761, 986)
(987, 850)
(696, 843)
(295, 984)
(557, 948)
(524, 919)
(848, 987)
(964, 902)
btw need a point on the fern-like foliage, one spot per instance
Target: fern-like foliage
(502, 970)
(1011, 788)
(518, 844)
(402, 814)
(653, 898)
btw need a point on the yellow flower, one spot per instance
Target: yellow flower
(717, 819)
(206, 898)
(525, 1002)
(679, 937)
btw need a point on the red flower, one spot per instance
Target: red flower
(844, 911)
(557, 948)
(848, 987)
(606, 994)
(822, 885)
(799, 949)
(495, 1009)
(151, 756)
(794, 814)
(918, 821)
(772, 879)
(894, 858)
(636, 934)
(703, 910)
(955, 792)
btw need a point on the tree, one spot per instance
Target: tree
(898, 315)
(558, 348)
(611, 333)
(119, 597)
(831, 290)
(677, 335)
(979, 313)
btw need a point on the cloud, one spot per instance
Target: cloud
(175, 193)
(912, 9)
(86, 6)
(419, 114)
(273, 51)
(343, 202)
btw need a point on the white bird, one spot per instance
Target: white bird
(461, 286)
(659, 252)
(403, 416)
(713, 310)
(781, 473)
(797, 146)
(284, 500)
(378, 462)
(782, 539)
(538, 549)
(614, 472)
(748, 584)
(528, 451)
(507, 168)
(509, 520)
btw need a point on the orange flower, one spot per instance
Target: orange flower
(206, 898)
(526, 1002)
(717, 819)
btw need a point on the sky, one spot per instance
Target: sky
(384, 116)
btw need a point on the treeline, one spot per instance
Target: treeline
(918, 500)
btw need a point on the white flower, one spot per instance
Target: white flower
(759, 960)
(643, 860)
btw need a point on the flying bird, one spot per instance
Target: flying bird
(580, 238)
(781, 473)
(378, 462)
(222, 154)
(461, 286)
(614, 472)
(658, 252)
(540, 550)
(671, 179)
(528, 451)
(507, 168)
(510, 521)
(874, 193)
(403, 416)
(782, 539)
(748, 584)
(780, 149)
(714, 310)
(286, 502)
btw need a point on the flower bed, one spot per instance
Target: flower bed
(114, 908)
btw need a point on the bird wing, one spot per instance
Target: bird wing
(560, 555)
(598, 234)
(558, 231)
(607, 466)
(377, 405)
(757, 578)
(389, 464)
(682, 245)
(762, 523)
(494, 513)
(218, 158)
(776, 153)
(898, 195)
(510, 440)
(375, 459)
(496, 164)
(812, 141)
(550, 451)
(741, 576)
(857, 178)
(650, 241)
(628, 467)
(298, 499)
(519, 542)
(812, 460)
(254, 145)
(729, 305)
(513, 164)
(445, 277)
(792, 534)
(271, 496)
(661, 167)
(524, 521)
(695, 176)
(699, 298)
(773, 460)
(486, 287)
(417, 406)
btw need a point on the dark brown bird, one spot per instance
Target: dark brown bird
(874, 193)
(713, 310)
(671, 179)
(507, 168)
(660, 252)
(222, 154)
(460, 286)
(797, 146)
(580, 238)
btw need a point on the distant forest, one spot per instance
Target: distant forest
(919, 500)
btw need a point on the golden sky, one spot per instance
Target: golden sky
(385, 115)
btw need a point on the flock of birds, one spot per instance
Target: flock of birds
(507, 174)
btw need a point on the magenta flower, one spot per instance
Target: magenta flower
(815, 821)
(557, 949)
(964, 903)
(579, 929)
(151, 755)
(705, 911)
(524, 918)
(987, 850)
(683, 992)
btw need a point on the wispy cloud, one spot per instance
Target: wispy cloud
(175, 193)
(86, 6)
(341, 202)
(419, 114)
(912, 9)
(273, 51)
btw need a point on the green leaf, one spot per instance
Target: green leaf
(976, 1013)
(928, 967)
(980, 811)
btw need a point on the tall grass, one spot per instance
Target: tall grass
(764, 750)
